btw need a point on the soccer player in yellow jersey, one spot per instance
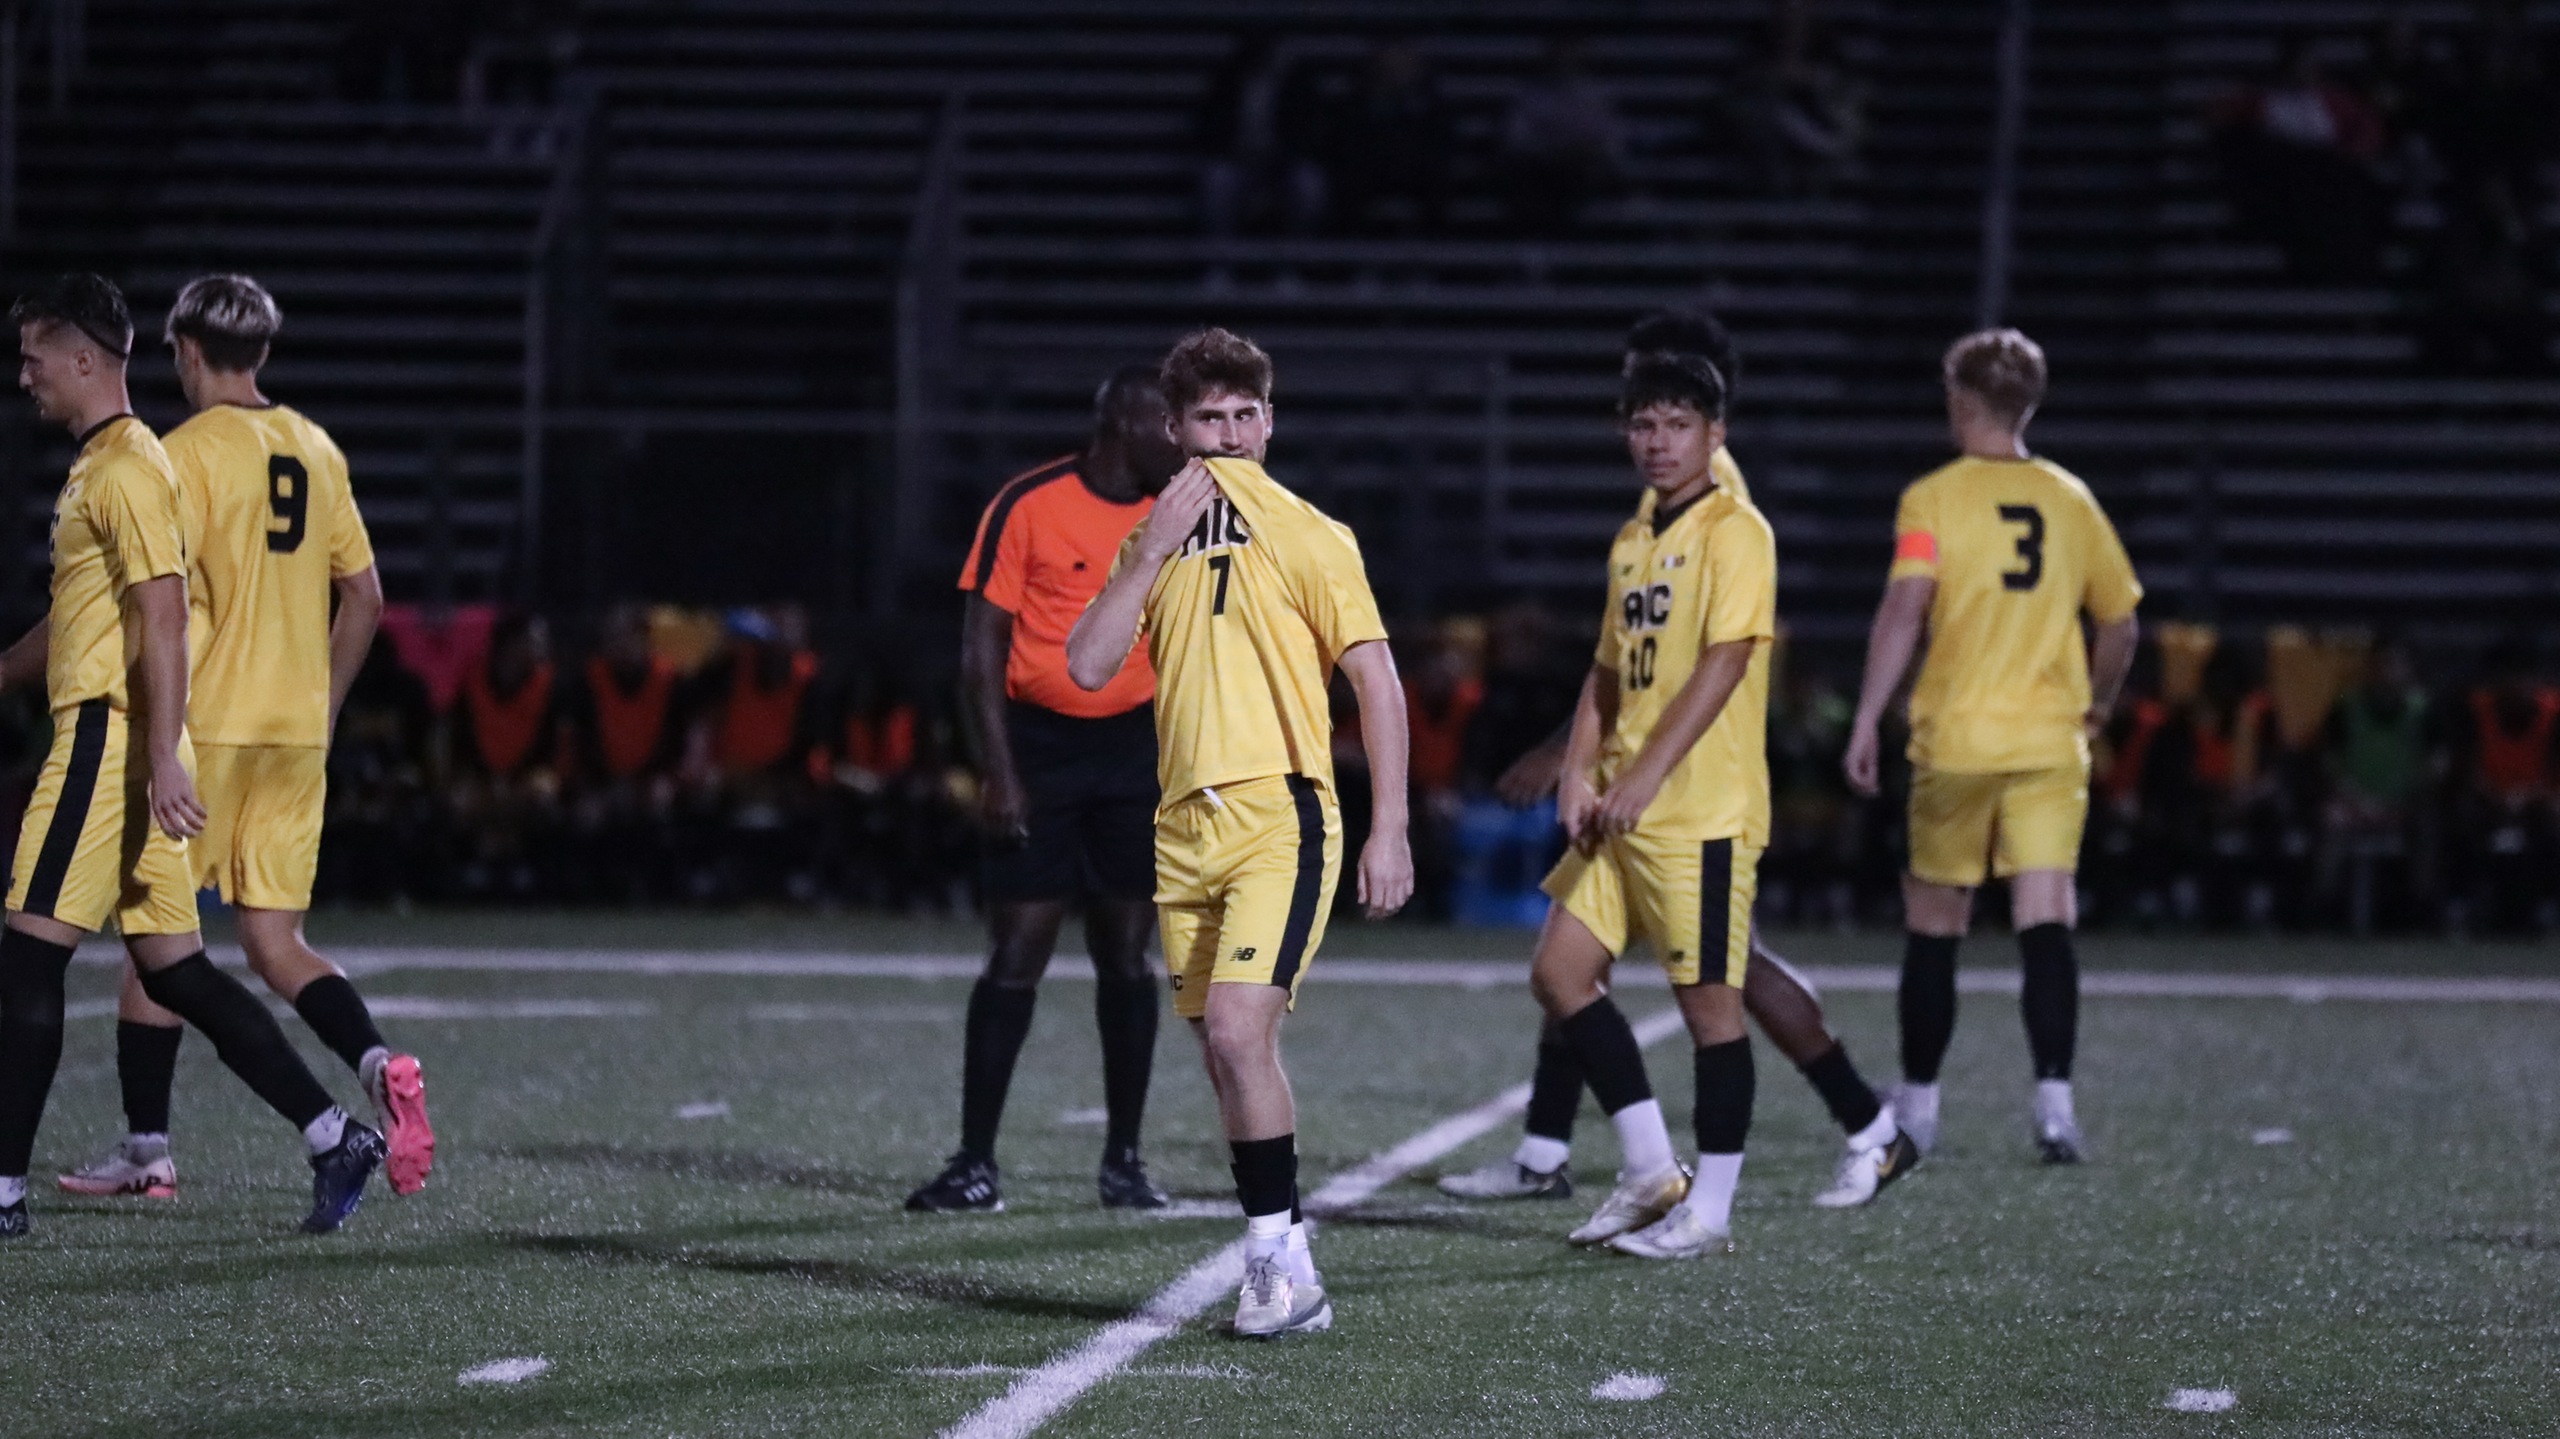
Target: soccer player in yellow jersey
(1996, 559)
(1773, 993)
(105, 835)
(272, 534)
(1666, 798)
(1249, 598)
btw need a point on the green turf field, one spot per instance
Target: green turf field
(2394, 1268)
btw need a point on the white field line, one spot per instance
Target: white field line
(1991, 977)
(1041, 1394)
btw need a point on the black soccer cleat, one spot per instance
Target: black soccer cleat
(338, 1178)
(13, 1220)
(966, 1185)
(2058, 1142)
(1125, 1184)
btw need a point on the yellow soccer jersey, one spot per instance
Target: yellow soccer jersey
(1705, 574)
(270, 522)
(2019, 549)
(115, 525)
(1245, 624)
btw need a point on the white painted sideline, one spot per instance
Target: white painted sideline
(1988, 978)
(1043, 1393)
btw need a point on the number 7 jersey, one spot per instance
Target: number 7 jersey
(270, 522)
(2019, 549)
(1705, 573)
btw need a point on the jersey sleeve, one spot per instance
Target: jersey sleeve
(350, 545)
(1742, 557)
(1915, 537)
(135, 510)
(1612, 630)
(2111, 591)
(1333, 591)
(192, 467)
(1001, 583)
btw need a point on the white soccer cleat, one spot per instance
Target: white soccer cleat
(1865, 1172)
(1681, 1234)
(1272, 1303)
(124, 1171)
(1634, 1204)
(1507, 1179)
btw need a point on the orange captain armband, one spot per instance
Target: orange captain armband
(1915, 547)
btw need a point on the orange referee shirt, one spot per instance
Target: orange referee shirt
(1044, 549)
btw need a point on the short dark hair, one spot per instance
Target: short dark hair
(2002, 368)
(1214, 362)
(1126, 383)
(1672, 379)
(231, 318)
(88, 303)
(1686, 332)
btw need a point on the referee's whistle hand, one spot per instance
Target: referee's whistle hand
(1006, 811)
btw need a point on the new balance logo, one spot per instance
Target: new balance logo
(1244, 954)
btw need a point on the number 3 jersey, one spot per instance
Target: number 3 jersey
(2019, 549)
(1245, 624)
(270, 522)
(1698, 574)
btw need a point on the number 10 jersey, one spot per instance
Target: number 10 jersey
(2019, 549)
(1701, 574)
(270, 522)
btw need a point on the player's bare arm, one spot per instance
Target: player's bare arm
(1692, 712)
(1104, 635)
(163, 603)
(351, 633)
(1595, 713)
(986, 639)
(2110, 660)
(24, 662)
(1893, 641)
(1386, 861)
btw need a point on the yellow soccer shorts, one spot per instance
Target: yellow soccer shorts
(1689, 899)
(1965, 827)
(263, 807)
(88, 849)
(1244, 880)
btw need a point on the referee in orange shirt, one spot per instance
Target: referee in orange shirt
(1070, 777)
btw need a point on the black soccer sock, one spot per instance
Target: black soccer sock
(1555, 1088)
(1845, 1092)
(1927, 1003)
(146, 1069)
(243, 1033)
(999, 1020)
(1125, 1010)
(1266, 1172)
(2049, 997)
(31, 971)
(1601, 1039)
(337, 1014)
(1727, 1085)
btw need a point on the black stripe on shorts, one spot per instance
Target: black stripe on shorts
(1715, 909)
(70, 810)
(1310, 887)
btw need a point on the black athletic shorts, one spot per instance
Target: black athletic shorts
(1092, 788)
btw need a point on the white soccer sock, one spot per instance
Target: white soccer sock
(1644, 1141)
(1711, 1192)
(2053, 1101)
(1878, 1133)
(13, 1190)
(323, 1134)
(1917, 1102)
(1302, 1259)
(1267, 1233)
(1540, 1154)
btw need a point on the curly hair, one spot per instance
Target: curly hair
(2002, 368)
(1214, 362)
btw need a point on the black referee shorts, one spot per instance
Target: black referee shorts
(1092, 788)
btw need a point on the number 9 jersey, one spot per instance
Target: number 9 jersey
(2019, 548)
(270, 522)
(1702, 574)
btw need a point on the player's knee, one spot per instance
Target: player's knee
(1238, 1036)
(1560, 994)
(1939, 909)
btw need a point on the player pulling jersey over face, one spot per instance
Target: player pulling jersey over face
(1248, 599)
